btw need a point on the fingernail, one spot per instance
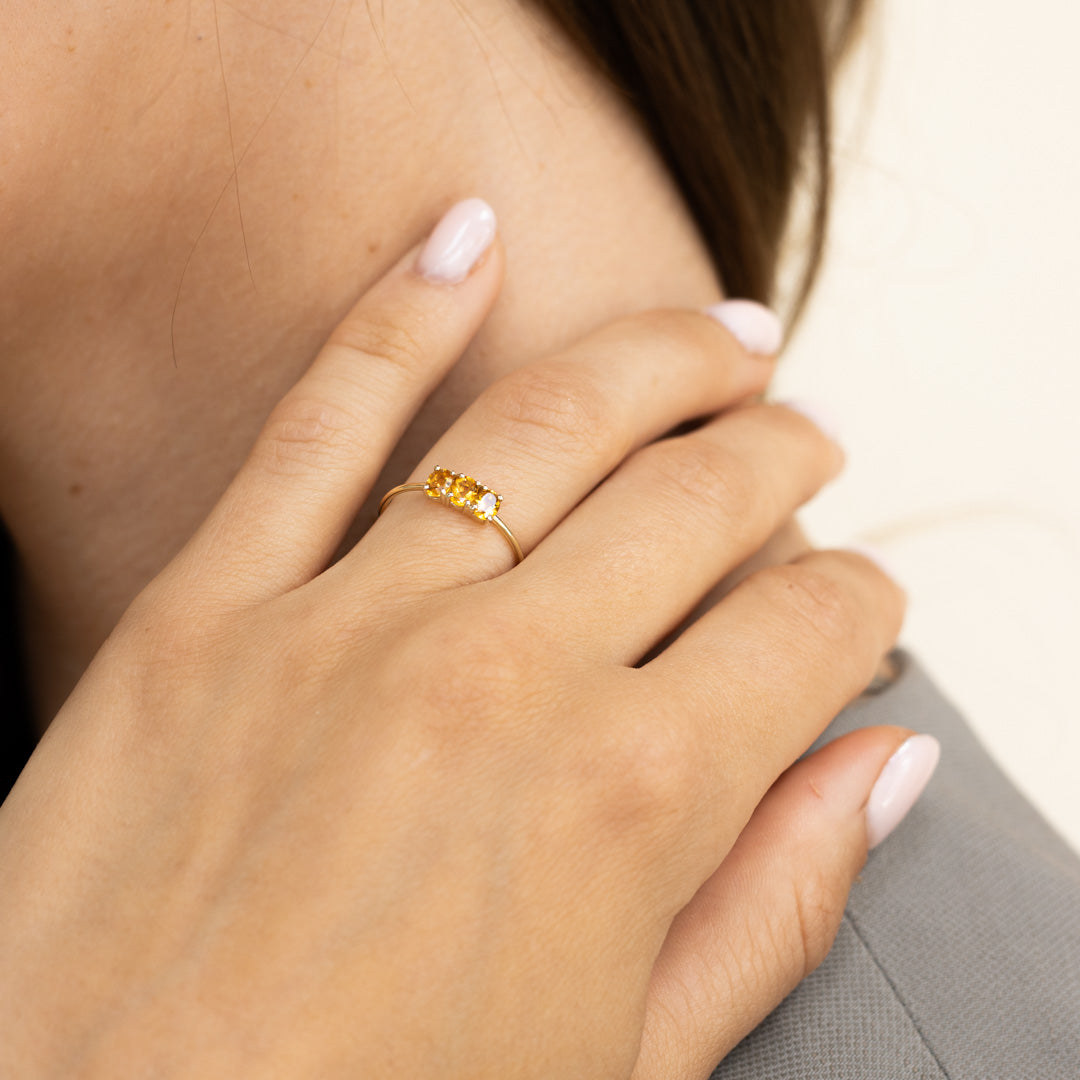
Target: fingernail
(755, 327)
(457, 242)
(899, 785)
(878, 558)
(816, 414)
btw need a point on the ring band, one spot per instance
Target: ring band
(465, 494)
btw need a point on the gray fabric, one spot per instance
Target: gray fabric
(959, 954)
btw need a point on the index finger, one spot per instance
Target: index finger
(323, 446)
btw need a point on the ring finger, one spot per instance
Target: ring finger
(545, 435)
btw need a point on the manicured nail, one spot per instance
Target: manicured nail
(457, 242)
(817, 414)
(878, 558)
(753, 325)
(899, 785)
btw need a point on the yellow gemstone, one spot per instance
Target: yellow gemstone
(487, 505)
(464, 492)
(438, 482)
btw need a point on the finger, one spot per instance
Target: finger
(639, 554)
(281, 519)
(543, 436)
(767, 669)
(768, 916)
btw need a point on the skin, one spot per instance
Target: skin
(147, 333)
(299, 821)
(112, 453)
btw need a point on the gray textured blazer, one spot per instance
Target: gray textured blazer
(959, 953)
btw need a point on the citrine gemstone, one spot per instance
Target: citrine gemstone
(438, 482)
(487, 506)
(464, 492)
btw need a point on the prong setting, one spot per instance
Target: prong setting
(463, 492)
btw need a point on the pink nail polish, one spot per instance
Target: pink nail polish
(753, 325)
(457, 242)
(899, 785)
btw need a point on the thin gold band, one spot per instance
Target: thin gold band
(465, 494)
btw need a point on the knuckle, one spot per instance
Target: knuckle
(303, 432)
(817, 602)
(690, 470)
(651, 774)
(390, 342)
(554, 402)
(465, 682)
(790, 933)
(817, 909)
(478, 676)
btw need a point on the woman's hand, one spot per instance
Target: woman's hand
(419, 811)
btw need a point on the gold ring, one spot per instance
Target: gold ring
(465, 494)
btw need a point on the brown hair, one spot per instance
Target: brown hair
(736, 97)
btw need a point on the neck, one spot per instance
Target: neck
(161, 296)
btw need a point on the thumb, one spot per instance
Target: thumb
(769, 914)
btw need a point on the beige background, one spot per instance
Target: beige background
(944, 340)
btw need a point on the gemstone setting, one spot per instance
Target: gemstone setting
(463, 492)
(438, 483)
(487, 506)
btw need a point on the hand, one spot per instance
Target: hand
(417, 809)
